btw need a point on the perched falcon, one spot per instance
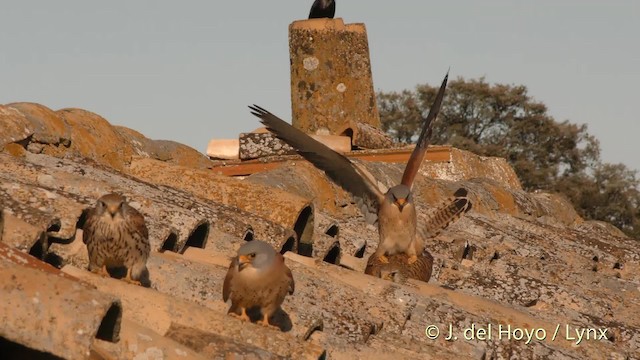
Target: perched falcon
(394, 210)
(116, 235)
(257, 277)
(322, 9)
(397, 269)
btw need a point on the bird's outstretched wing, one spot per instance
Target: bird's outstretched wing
(335, 165)
(420, 150)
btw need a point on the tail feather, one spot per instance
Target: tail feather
(449, 212)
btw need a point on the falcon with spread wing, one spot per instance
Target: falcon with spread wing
(394, 211)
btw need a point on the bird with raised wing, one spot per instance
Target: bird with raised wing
(394, 211)
(257, 277)
(116, 235)
(322, 9)
(397, 269)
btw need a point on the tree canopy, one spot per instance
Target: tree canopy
(503, 120)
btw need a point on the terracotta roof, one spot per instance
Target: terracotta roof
(521, 259)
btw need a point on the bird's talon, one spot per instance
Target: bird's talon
(412, 259)
(102, 271)
(265, 323)
(133, 282)
(383, 259)
(243, 315)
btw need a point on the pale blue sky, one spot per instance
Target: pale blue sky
(186, 70)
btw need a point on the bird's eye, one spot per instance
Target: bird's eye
(252, 255)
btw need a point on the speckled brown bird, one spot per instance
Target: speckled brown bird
(116, 235)
(257, 277)
(322, 9)
(393, 210)
(398, 271)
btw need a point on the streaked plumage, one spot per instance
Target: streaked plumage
(394, 210)
(398, 270)
(322, 9)
(449, 211)
(257, 277)
(116, 235)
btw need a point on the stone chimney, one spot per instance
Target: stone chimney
(331, 85)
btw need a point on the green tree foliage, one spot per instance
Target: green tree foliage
(504, 121)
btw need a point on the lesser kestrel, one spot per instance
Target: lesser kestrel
(397, 269)
(257, 277)
(116, 235)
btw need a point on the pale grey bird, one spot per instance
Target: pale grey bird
(116, 235)
(394, 210)
(257, 277)
(323, 9)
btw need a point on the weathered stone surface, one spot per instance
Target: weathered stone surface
(282, 208)
(139, 342)
(48, 127)
(15, 126)
(34, 308)
(517, 258)
(164, 150)
(365, 136)
(464, 165)
(93, 137)
(214, 346)
(160, 312)
(331, 81)
(79, 133)
(263, 144)
(224, 149)
(26, 236)
(257, 145)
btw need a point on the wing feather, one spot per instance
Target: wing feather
(337, 167)
(418, 154)
(226, 287)
(138, 223)
(292, 283)
(88, 230)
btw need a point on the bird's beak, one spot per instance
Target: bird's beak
(401, 203)
(243, 261)
(113, 209)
